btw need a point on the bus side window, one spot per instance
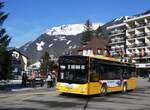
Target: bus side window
(109, 73)
(117, 72)
(102, 75)
(126, 73)
(105, 72)
(94, 74)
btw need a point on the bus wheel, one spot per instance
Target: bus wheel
(103, 90)
(124, 89)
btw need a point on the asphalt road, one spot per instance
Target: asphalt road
(48, 99)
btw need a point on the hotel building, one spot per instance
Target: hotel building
(131, 36)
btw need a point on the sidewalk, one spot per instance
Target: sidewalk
(27, 90)
(33, 89)
(15, 86)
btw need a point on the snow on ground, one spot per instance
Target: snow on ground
(40, 46)
(72, 29)
(70, 47)
(55, 39)
(68, 42)
(26, 89)
(74, 46)
(51, 45)
(25, 48)
(62, 38)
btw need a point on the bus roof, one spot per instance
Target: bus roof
(101, 57)
(95, 56)
(111, 59)
(104, 58)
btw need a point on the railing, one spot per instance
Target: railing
(131, 36)
(140, 35)
(147, 54)
(140, 54)
(137, 26)
(147, 34)
(116, 41)
(112, 33)
(140, 25)
(130, 46)
(140, 45)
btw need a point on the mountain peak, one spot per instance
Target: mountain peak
(71, 29)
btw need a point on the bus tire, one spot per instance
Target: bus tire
(103, 90)
(124, 88)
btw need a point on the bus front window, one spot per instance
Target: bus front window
(72, 73)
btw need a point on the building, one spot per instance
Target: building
(97, 46)
(117, 39)
(19, 62)
(131, 37)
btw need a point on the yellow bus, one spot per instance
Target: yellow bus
(89, 75)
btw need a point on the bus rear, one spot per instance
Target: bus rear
(73, 75)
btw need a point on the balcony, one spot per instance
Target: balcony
(140, 35)
(147, 54)
(130, 25)
(117, 42)
(136, 24)
(131, 46)
(131, 36)
(147, 34)
(147, 41)
(140, 56)
(129, 52)
(116, 32)
(140, 44)
(148, 24)
(140, 25)
(136, 55)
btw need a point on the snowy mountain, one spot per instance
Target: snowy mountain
(73, 29)
(57, 41)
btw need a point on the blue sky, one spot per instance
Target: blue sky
(29, 18)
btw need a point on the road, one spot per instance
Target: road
(48, 99)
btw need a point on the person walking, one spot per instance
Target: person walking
(24, 79)
(53, 80)
(33, 78)
(49, 81)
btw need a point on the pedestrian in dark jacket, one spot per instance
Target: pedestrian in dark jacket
(24, 80)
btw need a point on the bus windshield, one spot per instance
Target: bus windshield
(73, 70)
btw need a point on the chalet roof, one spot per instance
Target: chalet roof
(11, 49)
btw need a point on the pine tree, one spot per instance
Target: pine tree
(88, 32)
(5, 57)
(46, 64)
(99, 32)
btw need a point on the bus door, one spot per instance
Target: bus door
(94, 85)
(129, 74)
